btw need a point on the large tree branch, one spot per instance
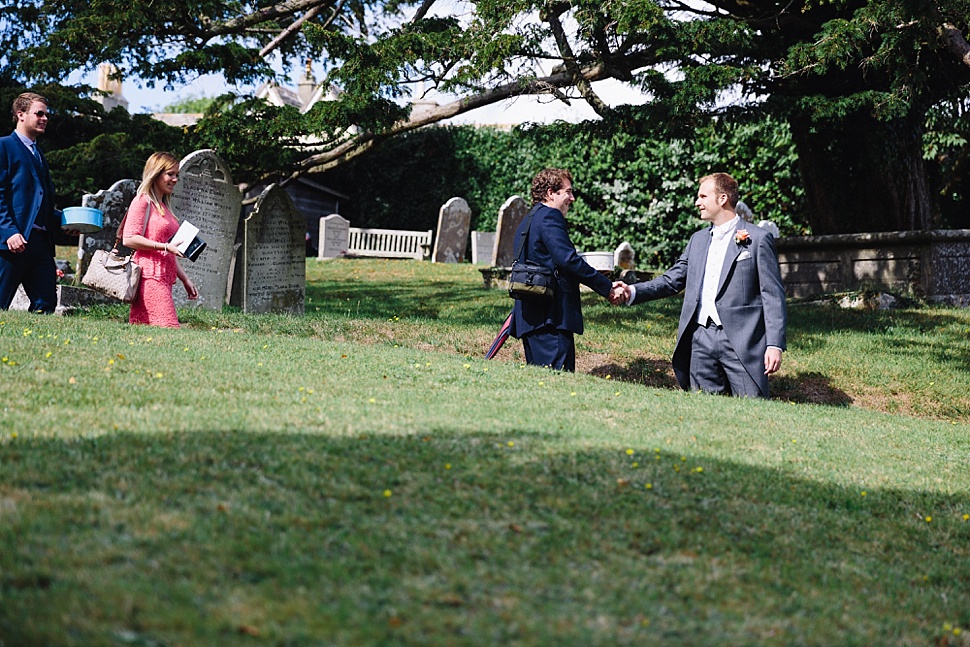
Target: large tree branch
(295, 26)
(569, 59)
(422, 10)
(287, 8)
(363, 141)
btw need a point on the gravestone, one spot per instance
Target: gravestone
(113, 203)
(624, 257)
(510, 215)
(454, 222)
(745, 212)
(270, 271)
(770, 227)
(334, 236)
(483, 244)
(206, 197)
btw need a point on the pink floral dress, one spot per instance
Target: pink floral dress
(153, 305)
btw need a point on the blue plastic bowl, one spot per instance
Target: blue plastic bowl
(86, 220)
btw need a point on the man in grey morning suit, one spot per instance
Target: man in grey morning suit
(732, 325)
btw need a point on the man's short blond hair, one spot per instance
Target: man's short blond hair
(24, 101)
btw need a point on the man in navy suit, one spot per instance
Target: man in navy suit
(546, 326)
(28, 220)
(732, 325)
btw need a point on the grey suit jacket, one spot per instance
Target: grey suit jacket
(750, 299)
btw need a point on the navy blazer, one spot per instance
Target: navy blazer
(24, 182)
(750, 299)
(549, 245)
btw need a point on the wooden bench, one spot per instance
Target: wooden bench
(389, 243)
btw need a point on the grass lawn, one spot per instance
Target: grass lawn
(360, 476)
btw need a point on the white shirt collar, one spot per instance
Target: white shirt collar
(722, 230)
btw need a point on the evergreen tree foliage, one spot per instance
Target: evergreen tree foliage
(856, 80)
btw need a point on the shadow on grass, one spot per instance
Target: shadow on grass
(808, 388)
(217, 538)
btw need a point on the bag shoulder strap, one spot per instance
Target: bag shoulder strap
(525, 233)
(121, 227)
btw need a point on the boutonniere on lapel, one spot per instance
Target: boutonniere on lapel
(741, 237)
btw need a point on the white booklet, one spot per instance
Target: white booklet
(187, 240)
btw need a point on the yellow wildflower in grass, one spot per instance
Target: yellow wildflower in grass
(466, 365)
(617, 394)
(929, 519)
(863, 493)
(387, 493)
(447, 466)
(629, 452)
(966, 517)
(635, 464)
(372, 400)
(649, 486)
(698, 469)
(572, 394)
(49, 353)
(542, 383)
(13, 435)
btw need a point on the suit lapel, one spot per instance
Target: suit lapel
(730, 258)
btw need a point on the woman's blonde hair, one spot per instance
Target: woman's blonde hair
(157, 164)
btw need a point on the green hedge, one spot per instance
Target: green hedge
(631, 188)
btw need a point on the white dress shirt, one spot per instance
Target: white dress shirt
(712, 273)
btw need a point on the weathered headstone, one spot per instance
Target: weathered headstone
(770, 227)
(334, 236)
(454, 222)
(206, 197)
(483, 244)
(745, 212)
(510, 215)
(113, 203)
(270, 272)
(624, 257)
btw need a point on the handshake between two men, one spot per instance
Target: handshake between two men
(620, 293)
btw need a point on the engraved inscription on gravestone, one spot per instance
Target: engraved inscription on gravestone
(454, 223)
(510, 215)
(271, 268)
(334, 236)
(206, 197)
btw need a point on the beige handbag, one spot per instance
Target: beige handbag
(112, 274)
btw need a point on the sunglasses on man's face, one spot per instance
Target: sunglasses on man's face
(40, 114)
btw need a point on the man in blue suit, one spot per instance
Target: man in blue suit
(546, 326)
(28, 220)
(732, 324)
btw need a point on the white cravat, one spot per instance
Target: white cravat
(712, 272)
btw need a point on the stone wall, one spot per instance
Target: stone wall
(931, 265)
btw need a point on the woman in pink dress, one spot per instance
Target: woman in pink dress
(153, 305)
